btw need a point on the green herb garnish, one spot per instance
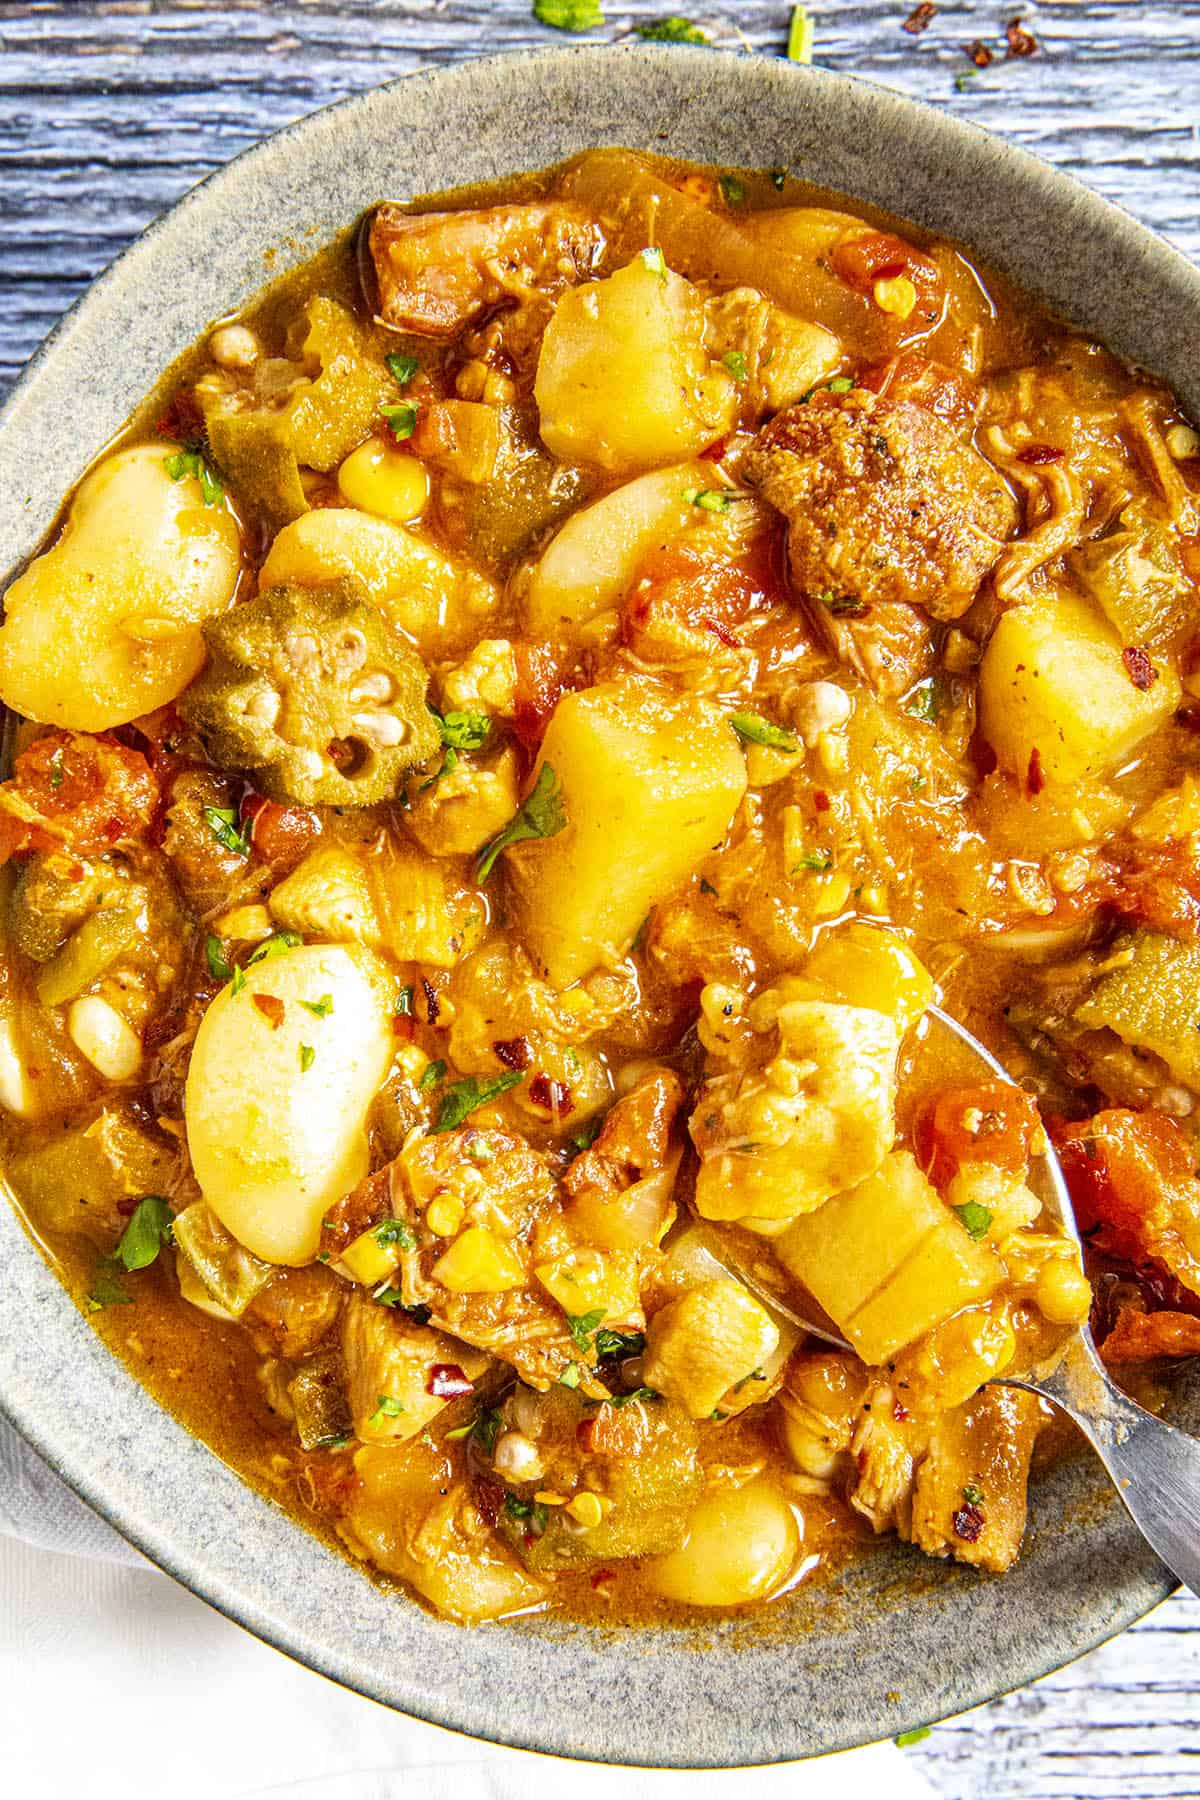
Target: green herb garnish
(975, 1219)
(403, 1008)
(214, 956)
(278, 944)
(401, 368)
(570, 1376)
(387, 1407)
(973, 1495)
(585, 1137)
(149, 1228)
(754, 729)
(733, 191)
(106, 1288)
(926, 700)
(735, 362)
(820, 860)
(484, 1428)
(238, 983)
(466, 1097)
(533, 1510)
(916, 1736)
(430, 1076)
(542, 815)
(57, 771)
(614, 1346)
(582, 1325)
(464, 730)
(642, 1393)
(401, 419)
(395, 1231)
(222, 822)
(320, 1009)
(714, 500)
(190, 462)
(654, 259)
(672, 30)
(308, 1057)
(568, 15)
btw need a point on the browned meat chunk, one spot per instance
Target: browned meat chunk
(399, 1375)
(298, 1307)
(970, 1494)
(886, 505)
(635, 1139)
(437, 271)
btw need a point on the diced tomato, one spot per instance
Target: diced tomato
(929, 384)
(1120, 1167)
(993, 1124)
(681, 598)
(541, 683)
(77, 792)
(282, 835)
(1140, 1336)
(872, 256)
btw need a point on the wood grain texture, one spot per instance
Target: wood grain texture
(110, 109)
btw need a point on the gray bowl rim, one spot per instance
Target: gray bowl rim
(645, 1700)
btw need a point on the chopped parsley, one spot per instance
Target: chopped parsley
(480, 1149)
(395, 1231)
(671, 30)
(568, 15)
(542, 815)
(320, 1009)
(431, 1076)
(149, 1228)
(800, 36)
(973, 1495)
(278, 944)
(533, 1510)
(733, 191)
(840, 384)
(735, 362)
(612, 1346)
(222, 822)
(752, 728)
(585, 1137)
(820, 860)
(401, 368)
(654, 259)
(401, 418)
(214, 955)
(191, 462)
(464, 730)
(57, 771)
(387, 1407)
(570, 1376)
(308, 1057)
(483, 1430)
(642, 1393)
(974, 1219)
(916, 1736)
(927, 700)
(403, 1008)
(582, 1325)
(238, 982)
(714, 500)
(106, 1289)
(465, 1097)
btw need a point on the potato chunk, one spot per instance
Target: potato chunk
(277, 1136)
(105, 625)
(888, 1260)
(623, 379)
(708, 1340)
(817, 1116)
(1056, 693)
(649, 785)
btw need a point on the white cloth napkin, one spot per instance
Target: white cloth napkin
(117, 1684)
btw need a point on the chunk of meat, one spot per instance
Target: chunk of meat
(298, 1307)
(400, 1375)
(210, 873)
(438, 271)
(886, 504)
(954, 1487)
(1133, 1182)
(634, 1140)
(813, 1118)
(1140, 1336)
(982, 1448)
(710, 1339)
(76, 792)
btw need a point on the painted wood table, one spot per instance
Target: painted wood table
(110, 109)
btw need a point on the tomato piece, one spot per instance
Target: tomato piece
(995, 1123)
(541, 683)
(863, 260)
(74, 791)
(281, 835)
(1133, 1176)
(682, 601)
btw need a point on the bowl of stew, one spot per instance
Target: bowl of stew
(520, 696)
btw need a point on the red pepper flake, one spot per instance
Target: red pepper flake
(1140, 670)
(514, 1053)
(1020, 42)
(968, 1523)
(446, 1381)
(979, 53)
(899, 1412)
(1035, 778)
(183, 419)
(585, 1435)
(720, 631)
(433, 1005)
(920, 19)
(716, 451)
(821, 800)
(271, 1009)
(1036, 454)
(552, 1096)
(128, 1207)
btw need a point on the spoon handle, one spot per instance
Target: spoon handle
(1154, 1467)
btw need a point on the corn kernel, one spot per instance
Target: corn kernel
(368, 1260)
(380, 479)
(586, 1510)
(545, 1498)
(833, 893)
(478, 1262)
(1062, 1292)
(444, 1215)
(1183, 442)
(895, 294)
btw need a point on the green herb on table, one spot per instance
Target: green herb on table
(672, 30)
(568, 15)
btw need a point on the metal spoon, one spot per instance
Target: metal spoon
(1154, 1466)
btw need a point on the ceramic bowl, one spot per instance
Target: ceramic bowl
(896, 1640)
